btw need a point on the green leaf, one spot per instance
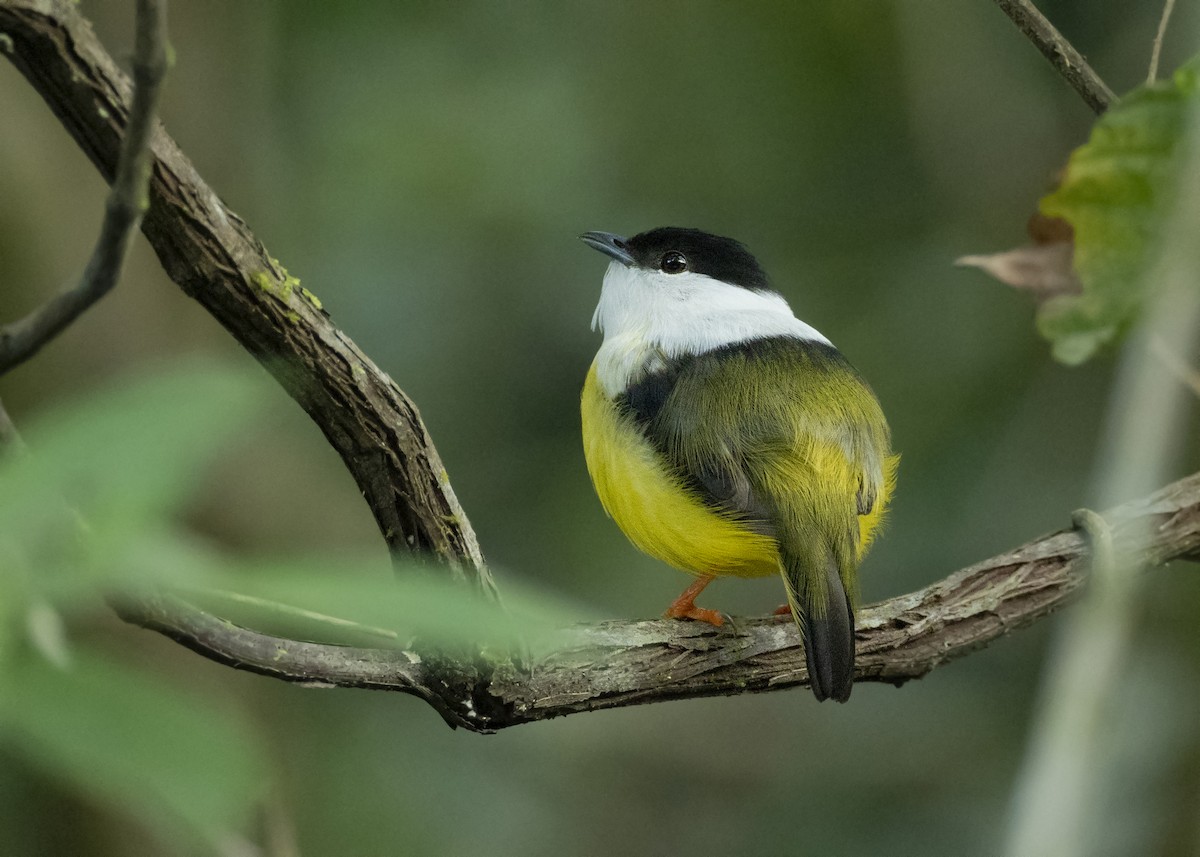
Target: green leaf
(181, 765)
(1116, 193)
(104, 471)
(342, 603)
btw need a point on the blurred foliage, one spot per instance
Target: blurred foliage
(425, 168)
(127, 458)
(1117, 191)
(105, 473)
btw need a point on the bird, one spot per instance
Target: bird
(726, 437)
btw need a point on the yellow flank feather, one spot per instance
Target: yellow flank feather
(658, 514)
(669, 522)
(869, 524)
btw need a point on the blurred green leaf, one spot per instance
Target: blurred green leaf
(1115, 194)
(104, 471)
(335, 602)
(89, 510)
(177, 763)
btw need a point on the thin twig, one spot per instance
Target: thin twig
(1185, 374)
(127, 202)
(10, 438)
(1068, 61)
(1156, 51)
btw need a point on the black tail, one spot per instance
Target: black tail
(826, 622)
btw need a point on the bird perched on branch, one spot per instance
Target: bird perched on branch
(727, 437)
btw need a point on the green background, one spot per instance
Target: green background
(424, 169)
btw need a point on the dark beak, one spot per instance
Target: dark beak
(609, 244)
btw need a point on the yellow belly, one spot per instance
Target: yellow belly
(658, 514)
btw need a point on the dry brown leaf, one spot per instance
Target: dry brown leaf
(1044, 269)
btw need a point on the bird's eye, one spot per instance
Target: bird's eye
(673, 262)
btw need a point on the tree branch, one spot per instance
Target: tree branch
(1068, 61)
(616, 664)
(123, 211)
(215, 258)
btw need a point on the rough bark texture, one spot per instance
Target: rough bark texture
(615, 664)
(215, 258)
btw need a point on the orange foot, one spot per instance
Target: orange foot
(684, 607)
(785, 610)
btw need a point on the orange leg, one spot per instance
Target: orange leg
(684, 607)
(784, 610)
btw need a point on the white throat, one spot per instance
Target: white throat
(648, 317)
